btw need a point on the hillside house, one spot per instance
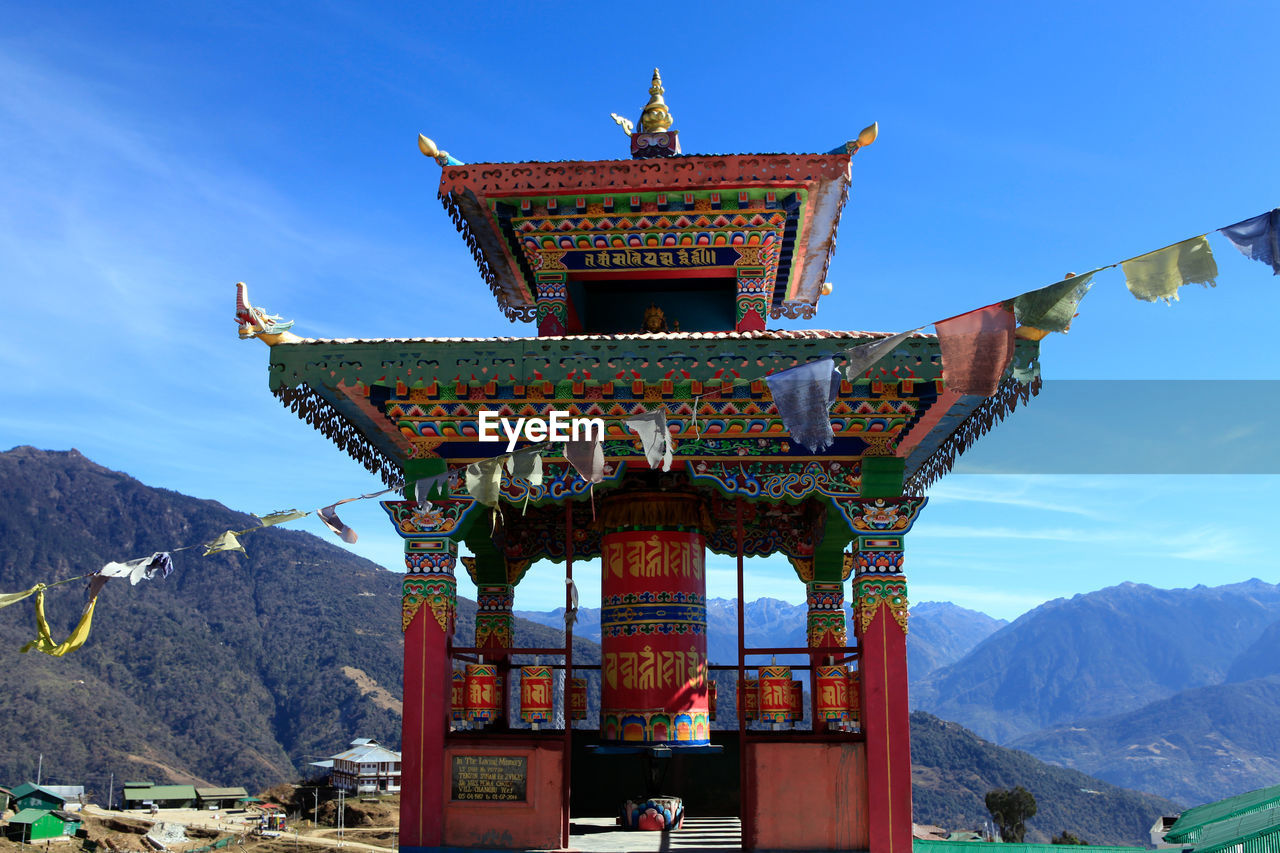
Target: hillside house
(1191, 824)
(31, 825)
(220, 798)
(144, 795)
(367, 767)
(29, 795)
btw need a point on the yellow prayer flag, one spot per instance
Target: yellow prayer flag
(225, 542)
(44, 640)
(1159, 274)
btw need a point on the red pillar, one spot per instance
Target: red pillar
(428, 603)
(880, 622)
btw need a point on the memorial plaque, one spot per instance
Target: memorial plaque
(490, 778)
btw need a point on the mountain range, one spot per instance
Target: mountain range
(1169, 690)
(941, 632)
(243, 668)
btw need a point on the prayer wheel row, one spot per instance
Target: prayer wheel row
(477, 694)
(774, 697)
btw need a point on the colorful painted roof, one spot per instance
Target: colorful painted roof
(1193, 820)
(682, 217)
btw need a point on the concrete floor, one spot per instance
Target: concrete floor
(601, 835)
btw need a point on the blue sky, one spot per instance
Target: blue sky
(154, 154)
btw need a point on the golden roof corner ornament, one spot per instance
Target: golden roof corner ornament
(865, 137)
(655, 118)
(430, 149)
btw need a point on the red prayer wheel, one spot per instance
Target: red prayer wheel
(577, 698)
(855, 697)
(749, 690)
(711, 701)
(458, 696)
(833, 693)
(797, 701)
(535, 694)
(653, 620)
(775, 694)
(483, 703)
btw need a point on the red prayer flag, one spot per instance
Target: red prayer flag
(976, 349)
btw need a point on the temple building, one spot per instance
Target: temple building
(662, 420)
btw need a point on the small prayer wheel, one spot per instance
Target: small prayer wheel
(749, 700)
(797, 702)
(458, 696)
(535, 694)
(577, 698)
(833, 693)
(775, 694)
(711, 700)
(855, 698)
(484, 693)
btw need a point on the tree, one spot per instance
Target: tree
(1010, 809)
(1066, 837)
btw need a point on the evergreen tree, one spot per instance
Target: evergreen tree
(1010, 809)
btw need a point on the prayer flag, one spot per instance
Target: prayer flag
(526, 465)
(147, 568)
(1051, 308)
(281, 516)
(15, 597)
(484, 480)
(587, 458)
(863, 357)
(976, 348)
(1258, 238)
(225, 542)
(44, 640)
(651, 427)
(1159, 274)
(803, 396)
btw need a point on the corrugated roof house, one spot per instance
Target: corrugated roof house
(29, 795)
(40, 824)
(366, 767)
(1190, 824)
(1253, 832)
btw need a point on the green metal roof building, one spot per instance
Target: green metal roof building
(1254, 832)
(1192, 822)
(40, 824)
(31, 796)
(162, 796)
(929, 845)
(220, 798)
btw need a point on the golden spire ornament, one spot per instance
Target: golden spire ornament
(655, 118)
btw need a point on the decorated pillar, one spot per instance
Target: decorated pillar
(428, 605)
(880, 623)
(552, 292)
(752, 298)
(653, 620)
(825, 624)
(495, 626)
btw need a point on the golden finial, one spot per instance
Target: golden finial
(430, 149)
(656, 117)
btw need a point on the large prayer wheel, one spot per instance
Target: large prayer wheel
(653, 620)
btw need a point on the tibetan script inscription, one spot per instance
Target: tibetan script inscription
(654, 557)
(661, 669)
(650, 258)
(490, 778)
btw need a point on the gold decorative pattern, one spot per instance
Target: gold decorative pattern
(804, 568)
(869, 595)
